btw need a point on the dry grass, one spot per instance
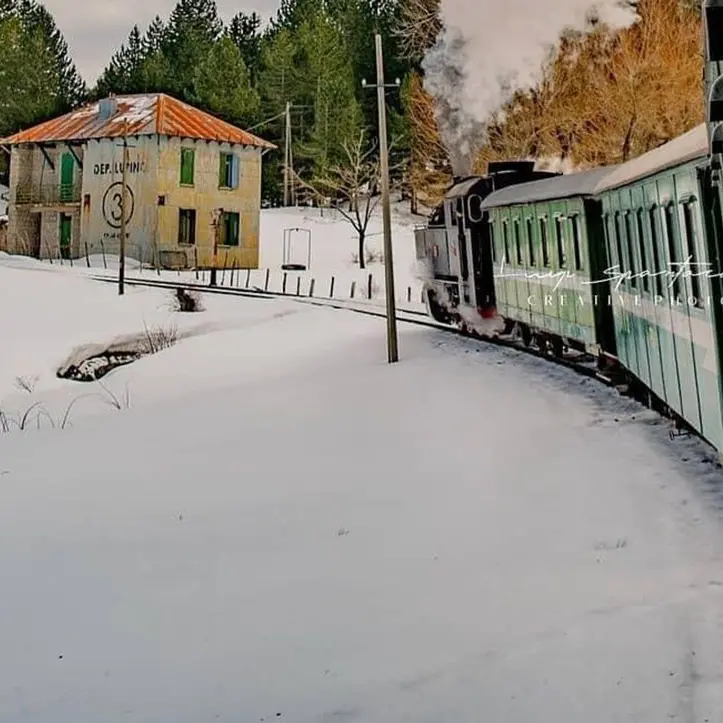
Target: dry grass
(158, 338)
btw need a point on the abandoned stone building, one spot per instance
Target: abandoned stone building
(191, 192)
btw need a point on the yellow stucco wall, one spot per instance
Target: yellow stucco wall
(206, 198)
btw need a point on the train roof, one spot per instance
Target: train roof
(569, 185)
(463, 186)
(688, 147)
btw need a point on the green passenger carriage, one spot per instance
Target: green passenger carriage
(658, 221)
(547, 251)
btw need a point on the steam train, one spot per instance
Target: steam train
(622, 262)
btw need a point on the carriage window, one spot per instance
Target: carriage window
(643, 256)
(437, 217)
(474, 208)
(543, 239)
(692, 239)
(654, 235)
(672, 250)
(531, 242)
(518, 244)
(619, 243)
(560, 235)
(452, 215)
(629, 246)
(575, 220)
(492, 242)
(506, 243)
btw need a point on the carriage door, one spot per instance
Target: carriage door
(464, 276)
(481, 245)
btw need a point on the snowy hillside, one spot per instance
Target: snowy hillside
(274, 524)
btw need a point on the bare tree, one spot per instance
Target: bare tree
(353, 185)
(418, 26)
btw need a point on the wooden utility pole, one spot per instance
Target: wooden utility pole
(124, 193)
(216, 242)
(287, 157)
(392, 344)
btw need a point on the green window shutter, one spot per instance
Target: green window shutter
(234, 171)
(187, 166)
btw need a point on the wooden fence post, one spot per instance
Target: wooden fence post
(369, 287)
(353, 289)
(331, 288)
(283, 284)
(311, 288)
(266, 285)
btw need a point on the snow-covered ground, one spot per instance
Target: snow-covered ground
(321, 240)
(284, 527)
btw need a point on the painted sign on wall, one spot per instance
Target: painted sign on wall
(103, 182)
(113, 210)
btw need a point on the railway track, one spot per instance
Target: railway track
(582, 364)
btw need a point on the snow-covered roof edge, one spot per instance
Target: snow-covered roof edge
(688, 147)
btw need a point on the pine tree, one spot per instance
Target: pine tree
(244, 30)
(155, 71)
(71, 89)
(192, 30)
(222, 85)
(123, 74)
(331, 85)
(292, 13)
(37, 78)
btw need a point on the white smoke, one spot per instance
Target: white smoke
(490, 49)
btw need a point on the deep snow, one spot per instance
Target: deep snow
(282, 526)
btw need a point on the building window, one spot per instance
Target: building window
(228, 172)
(188, 157)
(187, 226)
(229, 228)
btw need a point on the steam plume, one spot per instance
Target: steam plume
(490, 49)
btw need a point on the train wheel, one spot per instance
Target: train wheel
(526, 334)
(437, 311)
(557, 347)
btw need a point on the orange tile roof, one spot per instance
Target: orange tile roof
(152, 114)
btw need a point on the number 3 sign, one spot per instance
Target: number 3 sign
(113, 204)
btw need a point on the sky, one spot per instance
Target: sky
(95, 32)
